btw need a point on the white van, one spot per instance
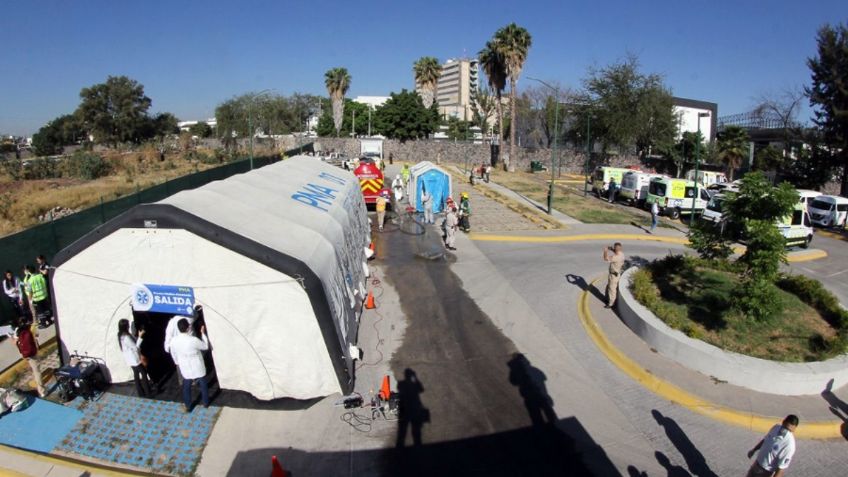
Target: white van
(634, 186)
(829, 210)
(707, 177)
(807, 196)
(714, 212)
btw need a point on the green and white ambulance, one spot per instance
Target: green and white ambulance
(674, 196)
(601, 178)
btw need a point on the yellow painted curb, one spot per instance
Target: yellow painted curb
(63, 461)
(830, 234)
(807, 256)
(667, 390)
(576, 238)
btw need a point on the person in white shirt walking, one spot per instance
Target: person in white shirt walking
(655, 216)
(188, 350)
(130, 349)
(450, 228)
(775, 450)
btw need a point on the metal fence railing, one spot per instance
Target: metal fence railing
(49, 238)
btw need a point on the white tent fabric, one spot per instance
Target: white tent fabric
(411, 195)
(262, 323)
(440, 189)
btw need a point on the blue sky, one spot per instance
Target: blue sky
(190, 56)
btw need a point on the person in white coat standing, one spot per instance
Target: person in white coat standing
(129, 348)
(427, 202)
(188, 350)
(172, 331)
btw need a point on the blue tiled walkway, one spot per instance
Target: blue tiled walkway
(40, 427)
(153, 435)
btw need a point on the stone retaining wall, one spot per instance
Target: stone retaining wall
(459, 152)
(790, 379)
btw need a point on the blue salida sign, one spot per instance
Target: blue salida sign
(175, 300)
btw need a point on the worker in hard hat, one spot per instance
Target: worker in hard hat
(465, 212)
(380, 207)
(450, 228)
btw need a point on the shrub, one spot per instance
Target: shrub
(41, 168)
(87, 166)
(814, 294)
(757, 298)
(13, 168)
(709, 241)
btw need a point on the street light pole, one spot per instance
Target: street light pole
(556, 134)
(250, 120)
(697, 163)
(588, 152)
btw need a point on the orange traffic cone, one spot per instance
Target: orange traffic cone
(385, 389)
(276, 468)
(369, 301)
(371, 246)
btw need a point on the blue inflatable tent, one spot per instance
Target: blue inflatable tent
(435, 180)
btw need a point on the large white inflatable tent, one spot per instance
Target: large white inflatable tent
(275, 256)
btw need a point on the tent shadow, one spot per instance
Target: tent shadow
(563, 449)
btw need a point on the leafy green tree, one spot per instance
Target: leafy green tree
(712, 242)
(494, 65)
(732, 148)
(201, 129)
(114, 111)
(768, 158)
(814, 164)
(164, 124)
(684, 150)
(458, 129)
(404, 117)
(756, 209)
(53, 136)
(337, 81)
(482, 106)
(513, 42)
(359, 111)
(427, 72)
(829, 92)
(628, 108)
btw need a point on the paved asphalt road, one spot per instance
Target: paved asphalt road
(678, 442)
(831, 271)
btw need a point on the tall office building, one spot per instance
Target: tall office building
(456, 88)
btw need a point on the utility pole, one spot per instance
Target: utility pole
(697, 163)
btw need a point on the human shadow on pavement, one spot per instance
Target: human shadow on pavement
(581, 283)
(530, 382)
(671, 469)
(837, 406)
(632, 471)
(412, 413)
(695, 461)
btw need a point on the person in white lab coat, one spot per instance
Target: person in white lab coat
(188, 350)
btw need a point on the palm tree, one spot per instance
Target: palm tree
(427, 71)
(732, 148)
(493, 65)
(337, 81)
(513, 42)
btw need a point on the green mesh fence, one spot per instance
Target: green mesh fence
(20, 249)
